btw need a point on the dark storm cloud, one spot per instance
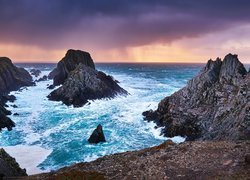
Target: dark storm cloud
(115, 23)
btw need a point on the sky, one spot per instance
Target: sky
(125, 30)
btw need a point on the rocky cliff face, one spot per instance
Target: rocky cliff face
(71, 60)
(11, 79)
(9, 167)
(213, 106)
(84, 83)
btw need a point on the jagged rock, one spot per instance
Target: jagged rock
(51, 86)
(85, 83)
(97, 135)
(71, 60)
(11, 78)
(214, 104)
(9, 167)
(35, 72)
(44, 78)
(15, 114)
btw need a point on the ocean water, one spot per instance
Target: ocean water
(49, 135)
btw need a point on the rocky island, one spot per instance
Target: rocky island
(213, 106)
(81, 81)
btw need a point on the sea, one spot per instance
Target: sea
(50, 135)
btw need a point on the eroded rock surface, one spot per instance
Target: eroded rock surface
(11, 78)
(84, 83)
(97, 135)
(69, 63)
(213, 106)
(9, 167)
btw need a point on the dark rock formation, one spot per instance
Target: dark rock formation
(97, 135)
(11, 78)
(44, 78)
(9, 167)
(214, 104)
(35, 72)
(71, 60)
(50, 86)
(84, 83)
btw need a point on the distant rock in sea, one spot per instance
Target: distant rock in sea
(97, 135)
(213, 106)
(35, 72)
(9, 167)
(11, 78)
(81, 81)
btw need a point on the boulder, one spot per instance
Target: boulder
(85, 83)
(44, 78)
(35, 72)
(71, 60)
(213, 106)
(9, 167)
(97, 135)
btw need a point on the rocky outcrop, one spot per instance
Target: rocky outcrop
(9, 167)
(71, 60)
(188, 160)
(11, 78)
(213, 106)
(44, 78)
(84, 83)
(97, 135)
(35, 72)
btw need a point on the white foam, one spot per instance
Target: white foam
(28, 157)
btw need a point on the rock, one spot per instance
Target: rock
(247, 158)
(9, 167)
(51, 86)
(44, 78)
(97, 135)
(71, 60)
(11, 78)
(213, 106)
(16, 114)
(85, 83)
(14, 106)
(35, 72)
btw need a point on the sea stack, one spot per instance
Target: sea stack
(97, 135)
(11, 78)
(213, 106)
(81, 81)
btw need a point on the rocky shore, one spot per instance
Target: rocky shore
(81, 81)
(12, 78)
(215, 105)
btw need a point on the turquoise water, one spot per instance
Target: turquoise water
(64, 130)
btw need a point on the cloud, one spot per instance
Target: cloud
(108, 24)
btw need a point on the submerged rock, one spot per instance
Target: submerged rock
(9, 167)
(44, 78)
(214, 104)
(69, 63)
(83, 83)
(11, 78)
(97, 135)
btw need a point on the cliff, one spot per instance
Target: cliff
(11, 78)
(213, 106)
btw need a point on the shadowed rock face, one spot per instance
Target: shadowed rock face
(9, 167)
(85, 83)
(214, 104)
(97, 135)
(11, 78)
(71, 60)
